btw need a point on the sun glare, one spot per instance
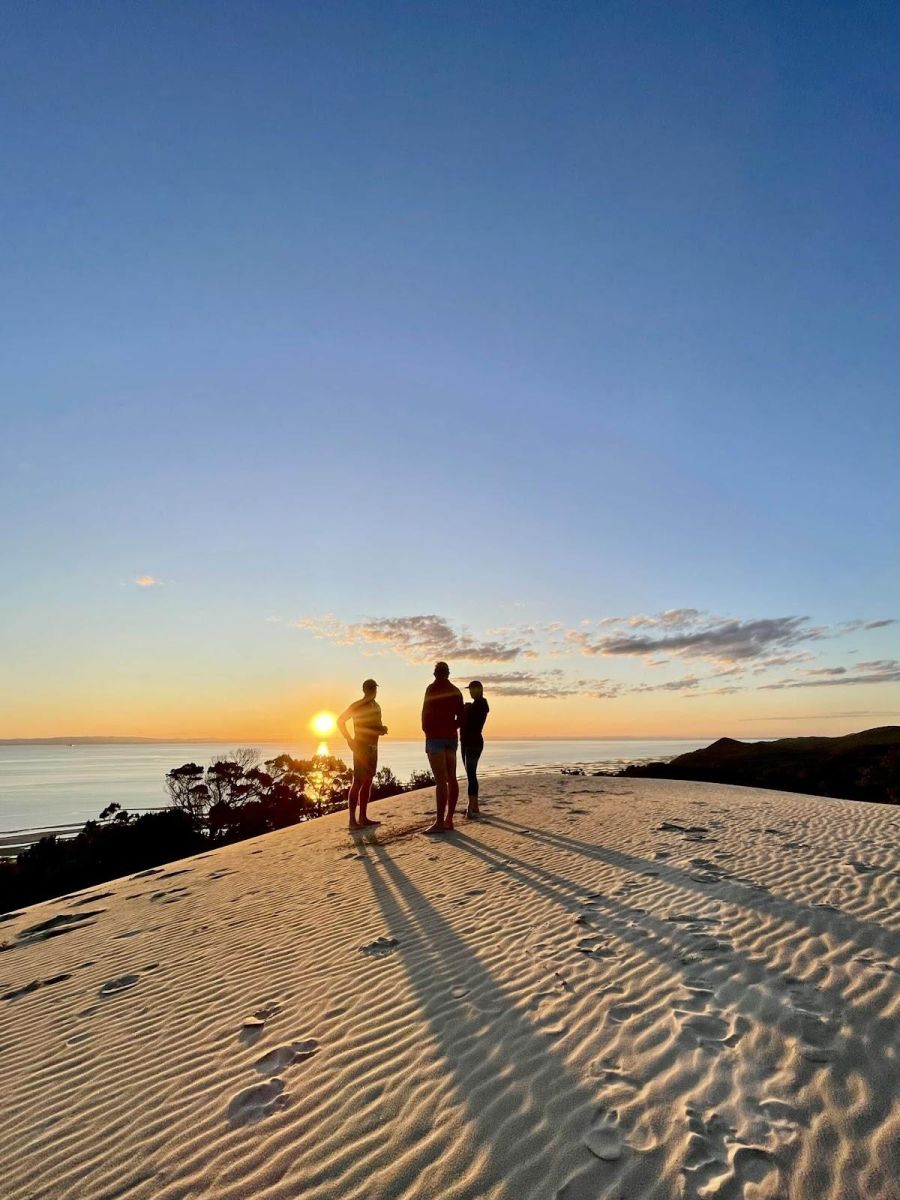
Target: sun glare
(323, 723)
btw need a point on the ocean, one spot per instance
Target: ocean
(49, 787)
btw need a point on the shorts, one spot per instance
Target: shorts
(440, 745)
(365, 762)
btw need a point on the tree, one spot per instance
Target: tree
(187, 790)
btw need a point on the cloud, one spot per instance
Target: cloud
(859, 712)
(671, 618)
(852, 626)
(418, 639)
(148, 581)
(674, 685)
(884, 670)
(721, 641)
(548, 685)
(777, 660)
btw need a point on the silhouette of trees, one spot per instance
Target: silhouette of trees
(231, 799)
(118, 843)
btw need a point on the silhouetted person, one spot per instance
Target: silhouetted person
(471, 742)
(442, 717)
(367, 729)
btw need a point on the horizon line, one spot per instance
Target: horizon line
(134, 740)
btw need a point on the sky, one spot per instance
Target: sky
(556, 340)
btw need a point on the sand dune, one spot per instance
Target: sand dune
(608, 989)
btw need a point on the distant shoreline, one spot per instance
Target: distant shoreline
(243, 741)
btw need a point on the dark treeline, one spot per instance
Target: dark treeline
(234, 798)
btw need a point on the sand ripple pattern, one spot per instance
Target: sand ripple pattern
(606, 988)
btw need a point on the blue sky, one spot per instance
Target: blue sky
(513, 315)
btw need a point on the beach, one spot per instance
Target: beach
(607, 988)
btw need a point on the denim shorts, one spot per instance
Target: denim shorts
(439, 745)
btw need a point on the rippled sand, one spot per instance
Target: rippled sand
(608, 988)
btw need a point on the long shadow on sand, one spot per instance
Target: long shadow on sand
(757, 992)
(865, 934)
(526, 1111)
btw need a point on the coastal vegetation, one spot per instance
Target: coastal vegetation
(859, 766)
(233, 798)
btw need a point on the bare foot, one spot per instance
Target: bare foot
(473, 813)
(352, 824)
(436, 828)
(367, 823)
(448, 825)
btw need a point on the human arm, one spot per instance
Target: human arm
(346, 715)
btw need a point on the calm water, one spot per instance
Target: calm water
(46, 786)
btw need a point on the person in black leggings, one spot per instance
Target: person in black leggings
(472, 743)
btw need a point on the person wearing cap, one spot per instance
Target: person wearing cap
(471, 742)
(367, 729)
(442, 717)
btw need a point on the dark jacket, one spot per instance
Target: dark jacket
(473, 722)
(443, 710)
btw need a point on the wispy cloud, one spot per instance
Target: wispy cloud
(687, 683)
(418, 639)
(549, 685)
(884, 670)
(670, 618)
(721, 641)
(838, 716)
(852, 626)
(148, 581)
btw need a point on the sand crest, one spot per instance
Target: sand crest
(605, 989)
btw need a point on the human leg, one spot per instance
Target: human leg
(452, 785)
(438, 763)
(471, 756)
(365, 762)
(353, 801)
(365, 792)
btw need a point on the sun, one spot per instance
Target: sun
(323, 723)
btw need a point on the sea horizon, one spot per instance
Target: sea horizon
(61, 784)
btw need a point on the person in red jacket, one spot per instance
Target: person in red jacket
(443, 713)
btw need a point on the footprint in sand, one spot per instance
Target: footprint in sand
(33, 987)
(594, 949)
(256, 1102)
(619, 1013)
(718, 1164)
(380, 947)
(113, 986)
(603, 1139)
(285, 1056)
(818, 1036)
(170, 896)
(706, 1027)
(92, 899)
(56, 926)
(252, 1027)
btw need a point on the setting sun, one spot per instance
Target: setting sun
(323, 723)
